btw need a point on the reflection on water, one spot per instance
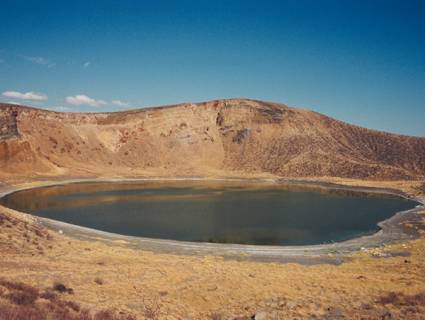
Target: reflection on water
(225, 212)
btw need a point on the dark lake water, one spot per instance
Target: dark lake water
(224, 212)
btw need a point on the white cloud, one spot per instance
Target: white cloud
(59, 108)
(40, 61)
(120, 103)
(86, 64)
(25, 96)
(82, 99)
(37, 60)
(27, 104)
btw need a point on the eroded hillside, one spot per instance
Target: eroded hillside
(223, 137)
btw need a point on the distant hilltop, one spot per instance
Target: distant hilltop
(232, 137)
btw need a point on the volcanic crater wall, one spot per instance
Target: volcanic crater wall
(222, 137)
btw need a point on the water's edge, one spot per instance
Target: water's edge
(391, 229)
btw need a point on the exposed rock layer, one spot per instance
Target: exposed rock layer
(222, 137)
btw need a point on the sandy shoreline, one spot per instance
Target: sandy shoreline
(391, 230)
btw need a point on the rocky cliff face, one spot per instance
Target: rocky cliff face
(8, 123)
(223, 137)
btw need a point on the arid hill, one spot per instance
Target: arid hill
(215, 138)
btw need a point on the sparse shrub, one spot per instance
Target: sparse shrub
(215, 316)
(30, 292)
(22, 297)
(13, 312)
(104, 315)
(415, 300)
(49, 295)
(19, 301)
(366, 306)
(60, 287)
(99, 281)
(411, 309)
(390, 298)
(400, 299)
(73, 305)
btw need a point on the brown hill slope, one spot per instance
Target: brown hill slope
(223, 137)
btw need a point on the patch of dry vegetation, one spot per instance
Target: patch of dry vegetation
(19, 301)
(28, 236)
(400, 299)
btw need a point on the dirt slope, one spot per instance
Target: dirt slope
(222, 137)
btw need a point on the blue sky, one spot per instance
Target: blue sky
(358, 61)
